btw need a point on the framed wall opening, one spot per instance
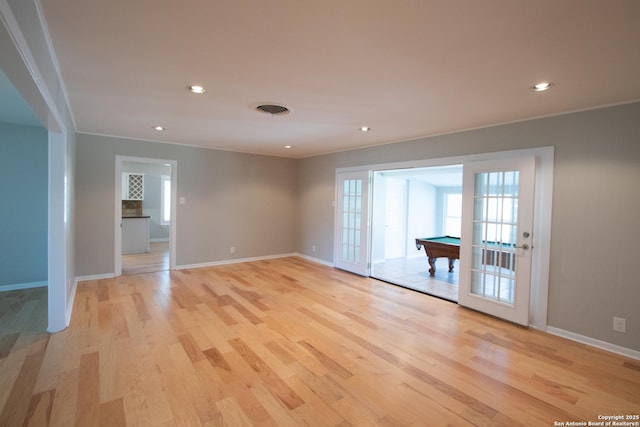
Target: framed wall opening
(131, 216)
(540, 259)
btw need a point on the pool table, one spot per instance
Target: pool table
(449, 247)
(440, 247)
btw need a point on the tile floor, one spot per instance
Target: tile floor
(413, 273)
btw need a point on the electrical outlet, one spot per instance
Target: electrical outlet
(313, 248)
(232, 249)
(620, 325)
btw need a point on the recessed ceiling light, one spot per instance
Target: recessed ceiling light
(365, 129)
(159, 128)
(197, 89)
(541, 87)
(288, 146)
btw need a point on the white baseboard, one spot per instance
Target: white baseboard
(233, 261)
(95, 277)
(18, 286)
(594, 342)
(316, 260)
(213, 264)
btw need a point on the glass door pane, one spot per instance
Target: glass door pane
(495, 250)
(495, 228)
(351, 222)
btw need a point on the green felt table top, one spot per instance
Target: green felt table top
(456, 241)
(444, 239)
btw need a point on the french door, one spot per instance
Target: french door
(496, 241)
(351, 251)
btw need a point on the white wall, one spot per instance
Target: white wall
(422, 214)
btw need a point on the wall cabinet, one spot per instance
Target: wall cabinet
(132, 186)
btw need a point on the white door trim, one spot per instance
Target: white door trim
(118, 209)
(541, 220)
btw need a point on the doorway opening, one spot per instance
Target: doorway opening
(410, 204)
(353, 230)
(145, 215)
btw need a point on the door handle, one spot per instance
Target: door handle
(525, 247)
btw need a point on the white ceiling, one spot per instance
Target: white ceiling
(406, 68)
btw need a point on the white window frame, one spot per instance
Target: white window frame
(164, 208)
(445, 216)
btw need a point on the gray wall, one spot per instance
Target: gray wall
(23, 217)
(596, 205)
(231, 199)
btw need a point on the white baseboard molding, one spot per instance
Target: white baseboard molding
(316, 260)
(95, 277)
(213, 264)
(18, 286)
(594, 342)
(233, 261)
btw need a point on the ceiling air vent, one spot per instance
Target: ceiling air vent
(273, 109)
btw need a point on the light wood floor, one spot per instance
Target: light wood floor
(288, 342)
(148, 262)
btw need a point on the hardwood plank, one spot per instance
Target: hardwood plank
(327, 361)
(279, 388)
(16, 407)
(63, 413)
(191, 348)
(131, 383)
(277, 410)
(231, 413)
(40, 407)
(6, 343)
(151, 362)
(217, 360)
(110, 386)
(88, 408)
(315, 411)
(112, 414)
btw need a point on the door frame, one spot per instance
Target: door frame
(118, 208)
(539, 292)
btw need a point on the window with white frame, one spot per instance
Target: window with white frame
(453, 214)
(166, 200)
